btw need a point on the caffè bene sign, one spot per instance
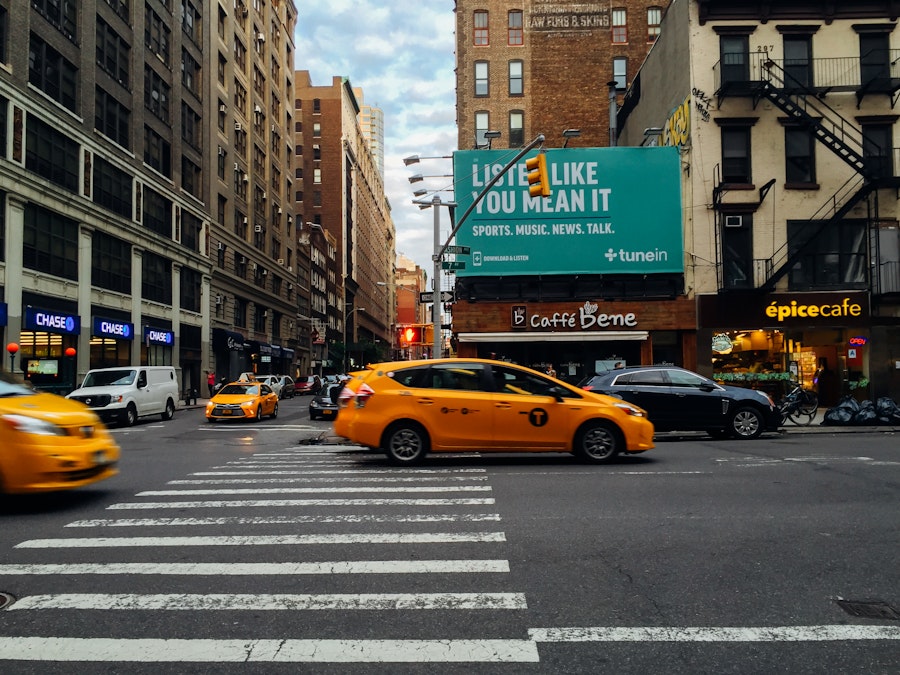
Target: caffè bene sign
(584, 318)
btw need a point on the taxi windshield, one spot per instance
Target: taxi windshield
(10, 387)
(240, 389)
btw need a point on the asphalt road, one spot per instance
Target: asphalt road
(243, 548)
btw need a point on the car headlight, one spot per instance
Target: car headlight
(248, 404)
(313, 404)
(32, 425)
(630, 410)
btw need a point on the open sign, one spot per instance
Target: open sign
(858, 341)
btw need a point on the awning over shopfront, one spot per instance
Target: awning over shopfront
(226, 339)
(533, 336)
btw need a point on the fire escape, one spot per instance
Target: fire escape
(806, 107)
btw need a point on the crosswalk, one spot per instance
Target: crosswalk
(323, 515)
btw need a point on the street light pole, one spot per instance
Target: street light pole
(347, 315)
(436, 282)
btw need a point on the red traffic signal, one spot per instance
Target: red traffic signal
(409, 335)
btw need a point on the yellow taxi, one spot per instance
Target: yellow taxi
(411, 408)
(250, 400)
(50, 443)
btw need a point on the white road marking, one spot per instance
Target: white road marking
(267, 569)
(268, 540)
(342, 472)
(288, 520)
(268, 503)
(268, 602)
(267, 651)
(304, 479)
(712, 634)
(314, 490)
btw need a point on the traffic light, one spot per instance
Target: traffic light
(409, 335)
(538, 180)
(429, 334)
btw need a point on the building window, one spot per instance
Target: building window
(834, 259)
(654, 19)
(737, 251)
(190, 177)
(482, 124)
(734, 53)
(190, 73)
(113, 188)
(259, 319)
(736, 155)
(157, 36)
(190, 289)
(51, 154)
(516, 34)
(481, 78)
(619, 26)
(874, 57)
(157, 152)
(62, 15)
(50, 243)
(156, 278)
(799, 156)
(516, 78)
(877, 149)
(620, 76)
(156, 94)
(317, 152)
(240, 312)
(798, 61)
(317, 106)
(190, 126)
(317, 175)
(51, 73)
(480, 22)
(157, 213)
(110, 263)
(240, 56)
(191, 21)
(113, 53)
(4, 35)
(516, 129)
(111, 118)
(317, 129)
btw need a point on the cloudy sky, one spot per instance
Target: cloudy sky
(402, 56)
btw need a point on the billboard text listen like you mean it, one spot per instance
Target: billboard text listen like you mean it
(610, 211)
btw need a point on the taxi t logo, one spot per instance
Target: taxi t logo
(538, 417)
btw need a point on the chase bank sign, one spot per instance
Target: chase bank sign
(158, 336)
(108, 328)
(51, 322)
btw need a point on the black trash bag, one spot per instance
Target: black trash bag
(848, 402)
(887, 410)
(865, 414)
(837, 416)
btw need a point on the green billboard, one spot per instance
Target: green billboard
(610, 211)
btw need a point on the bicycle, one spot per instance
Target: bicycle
(799, 406)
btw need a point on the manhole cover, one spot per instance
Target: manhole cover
(6, 600)
(869, 609)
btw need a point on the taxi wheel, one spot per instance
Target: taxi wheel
(275, 411)
(597, 442)
(746, 423)
(130, 415)
(258, 416)
(405, 443)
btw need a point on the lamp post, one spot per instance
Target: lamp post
(13, 349)
(347, 315)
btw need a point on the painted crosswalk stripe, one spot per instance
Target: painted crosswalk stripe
(269, 503)
(306, 479)
(149, 650)
(827, 633)
(272, 602)
(314, 490)
(289, 520)
(265, 569)
(269, 540)
(342, 472)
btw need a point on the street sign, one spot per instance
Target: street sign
(458, 249)
(446, 296)
(453, 265)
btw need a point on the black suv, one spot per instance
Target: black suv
(680, 400)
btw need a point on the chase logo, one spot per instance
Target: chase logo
(36, 319)
(159, 337)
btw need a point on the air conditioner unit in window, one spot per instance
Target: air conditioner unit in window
(222, 108)
(221, 151)
(221, 246)
(238, 126)
(265, 272)
(290, 287)
(257, 110)
(260, 37)
(243, 260)
(237, 167)
(280, 211)
(734, 221)
(281, 261)
(257, 228)
(263, 195)
(246, 178)
(218, 299)
(244, 220)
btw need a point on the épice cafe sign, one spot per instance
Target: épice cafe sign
(785, 310)
(611, 210)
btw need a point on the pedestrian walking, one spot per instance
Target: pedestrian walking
(211, 382)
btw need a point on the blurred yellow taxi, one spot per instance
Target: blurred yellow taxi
(250, 400)
(411, 408)
(50, 443)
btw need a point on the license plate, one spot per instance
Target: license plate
(226, 412)
(100, 457)
(326, 413)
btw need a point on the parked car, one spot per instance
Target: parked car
(411, 408)
(286, 387)
(324, 404)
(680, 400)
(308, 385)
(126, 393)
(49, 442)
(243, 400)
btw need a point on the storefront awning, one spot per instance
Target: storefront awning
(587, 336)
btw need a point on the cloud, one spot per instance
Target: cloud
(404, 62)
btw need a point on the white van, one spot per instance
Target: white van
(123, 394)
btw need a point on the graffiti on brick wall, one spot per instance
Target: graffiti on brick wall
(578, 16)
(677, 130)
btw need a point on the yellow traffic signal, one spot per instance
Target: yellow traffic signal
(538, 180)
